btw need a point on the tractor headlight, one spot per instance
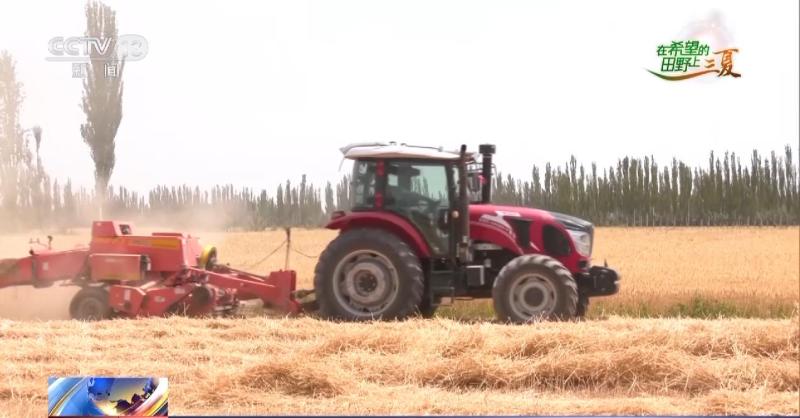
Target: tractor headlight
(583, 242)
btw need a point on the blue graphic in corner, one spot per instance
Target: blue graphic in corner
(107, 396)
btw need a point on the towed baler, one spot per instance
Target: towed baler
(122, 274)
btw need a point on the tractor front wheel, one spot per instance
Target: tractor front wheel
(90, 304)
(367, 274)
(535, 287)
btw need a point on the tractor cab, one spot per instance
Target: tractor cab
(422, 227)
(418, 184)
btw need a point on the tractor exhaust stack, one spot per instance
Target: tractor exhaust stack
(462, 235)
(486, 150)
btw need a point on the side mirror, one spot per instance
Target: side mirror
(474, 182)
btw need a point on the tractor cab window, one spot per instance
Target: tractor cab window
(363, 185)
(420, 192)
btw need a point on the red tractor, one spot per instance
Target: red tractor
(422, 228)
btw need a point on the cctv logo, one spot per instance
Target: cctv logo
(86, 48)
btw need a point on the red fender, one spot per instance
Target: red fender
(388, 221)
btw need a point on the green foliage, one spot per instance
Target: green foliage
(24, 185)
(638, 192)
(102, 97)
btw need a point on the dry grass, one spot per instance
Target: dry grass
(307, 366)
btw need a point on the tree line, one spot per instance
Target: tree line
(635, 191)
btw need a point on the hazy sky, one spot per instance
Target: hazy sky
(251, 93)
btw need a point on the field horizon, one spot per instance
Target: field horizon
(697, 272)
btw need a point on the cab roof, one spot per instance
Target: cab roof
(394, 150)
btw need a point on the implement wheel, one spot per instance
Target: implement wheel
(367, 274)
(533, 288)
(90, 304)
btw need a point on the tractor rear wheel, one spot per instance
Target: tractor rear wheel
(534, 287)
(90, 304)
(367, 274)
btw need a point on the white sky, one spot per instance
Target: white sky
(251, 93)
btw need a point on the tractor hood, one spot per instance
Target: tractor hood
(527, 227)
(476, 211)
(573, 223)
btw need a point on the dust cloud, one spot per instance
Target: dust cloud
(27, 302)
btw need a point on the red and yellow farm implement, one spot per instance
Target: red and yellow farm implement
(127, 275)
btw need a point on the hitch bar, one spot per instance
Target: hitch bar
(308, 305)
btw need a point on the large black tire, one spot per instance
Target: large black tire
(534, 287)
(90, 304)
(380, 268)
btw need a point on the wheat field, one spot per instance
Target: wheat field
(638, 353)
(439, 366)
